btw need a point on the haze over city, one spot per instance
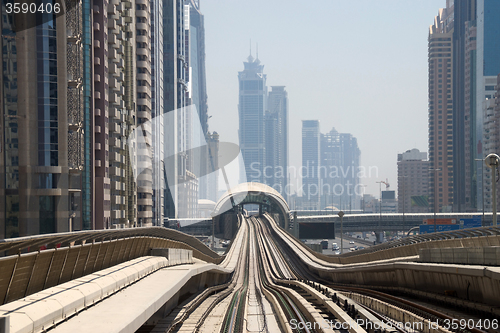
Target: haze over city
(358, 66)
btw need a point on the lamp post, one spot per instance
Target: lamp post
(404, 200)
(435, 185)
(482, 187)
(380, 203)
(363, 196)
(341, 214)
(492, 161)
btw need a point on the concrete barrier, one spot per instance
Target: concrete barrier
(41, 310)
(486, 256)
(174, 256)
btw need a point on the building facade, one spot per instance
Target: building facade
(440, 46)
(41, 142)
(251, 108)
(310, 165)
(413, 182)
(276, 141)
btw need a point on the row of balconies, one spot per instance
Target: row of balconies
(145, 102)
(75, 150)
(116, 171)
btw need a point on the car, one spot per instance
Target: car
(351, 242)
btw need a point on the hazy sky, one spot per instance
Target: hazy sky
(359, 66)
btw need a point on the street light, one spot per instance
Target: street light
(435, 183)
(482, 186)
(341, 214)
(380, 203)
(404, 201)
(363, 196)
(492, 161)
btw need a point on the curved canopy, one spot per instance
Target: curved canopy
(251, 193)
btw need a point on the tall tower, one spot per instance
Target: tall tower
(464, 13)
(37, 127)
(156, 7)
(413, 181)
(440, 48)
(251, 108)
(179, 195)
(277, 140)
(310, 164)
(350, 167)
(331, 160)
(487, 69)
(195, 55)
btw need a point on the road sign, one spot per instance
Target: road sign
(429, 228)
(440, 221)
(316, 230)
(474, 222)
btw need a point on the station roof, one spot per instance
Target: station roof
(251, 193)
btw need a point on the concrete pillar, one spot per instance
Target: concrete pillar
(260, 209)
(379, 236)
(295, 225)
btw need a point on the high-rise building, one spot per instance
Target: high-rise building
(157, 110)
(440, 48)
(389, 203)
(251, 108)
(472, 200)
(113, 71)
(195, 56)
(464, 13)
(350, 168)
(339, 171)
(276, 147)
(182, 190)
(40, 132)
(487, 69)
(310, 165)
(331, 181)
(413, 182)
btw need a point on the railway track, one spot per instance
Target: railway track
(273, 290)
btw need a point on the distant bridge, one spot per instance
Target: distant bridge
(351, 222)
(388, 221)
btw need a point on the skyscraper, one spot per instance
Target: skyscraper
(350, 168)
(310, 164)
(331, 160)
(277, 140)
(441, 109)
(40, 135)
(487, 69)
(464, 13)
(157, 110)
(198, 97)
(182, 191)
(251, 108)
(413, 182)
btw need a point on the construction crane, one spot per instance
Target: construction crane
(386, 184)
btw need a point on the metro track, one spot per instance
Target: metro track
(272, 289)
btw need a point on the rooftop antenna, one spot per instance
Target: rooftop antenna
(250, 46)
(257, 51)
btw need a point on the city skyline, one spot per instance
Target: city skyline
(332, 79)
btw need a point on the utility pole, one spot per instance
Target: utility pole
(492, 161)
(435, 195)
